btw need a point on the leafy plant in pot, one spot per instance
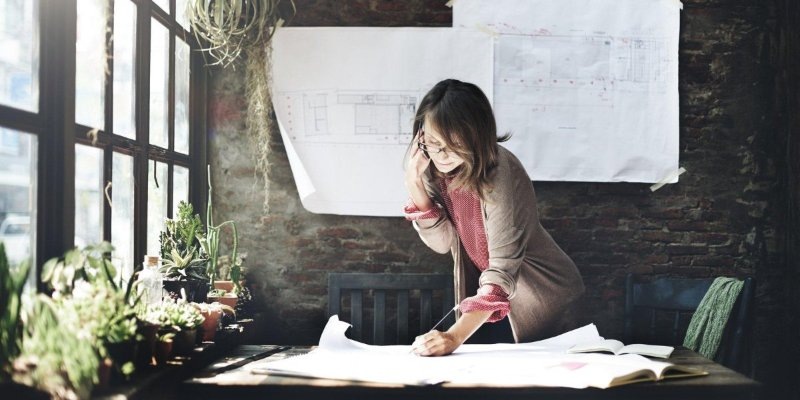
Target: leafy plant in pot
(212, 312)
(84, 283)
(211, 247)
(54, 356)
(184, 261)
(180, 318)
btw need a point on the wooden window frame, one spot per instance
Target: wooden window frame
(57, 132)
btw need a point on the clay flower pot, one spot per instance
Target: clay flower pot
(209, 327)
(228, 299)
(183, 343)
(163, 351)
(224, 285)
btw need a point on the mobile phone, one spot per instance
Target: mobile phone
(419, 143)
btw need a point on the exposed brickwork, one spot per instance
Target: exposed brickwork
(727, 216)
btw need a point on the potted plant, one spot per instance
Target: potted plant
(104, 315)
(212, 312)
(227, 268)
(84, 282)
(164, 347)
(184, 263)
(230, 26)
(180, 318)
(147, 331)
(88, 264)
(54, 357)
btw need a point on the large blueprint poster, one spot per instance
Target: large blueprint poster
(345, 99)
(588, 88)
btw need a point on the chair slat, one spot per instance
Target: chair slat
(379, 319)
(356, 311)
(384, 286)
(402, 317)
(425, 311)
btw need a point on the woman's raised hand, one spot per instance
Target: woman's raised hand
(415, 171)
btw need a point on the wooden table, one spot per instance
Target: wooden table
(234, 381)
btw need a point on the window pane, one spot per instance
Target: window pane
(181, 96)
(159, 63)
(180, 187)
(156, 203)
(17, 194)
(19, 58)
(180, 13)
(90, 63)
(88, 192)
(122, 212)
(124, 34)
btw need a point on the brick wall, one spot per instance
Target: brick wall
(725, 217)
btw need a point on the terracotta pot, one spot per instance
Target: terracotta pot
(163, 351)
(224, 285)
(104, 373)
(183, 343)
(120, 353)
(147, 346)
(229, 300)
(209, 327)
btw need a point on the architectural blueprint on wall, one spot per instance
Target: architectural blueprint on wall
(345, 99)
(588, 88)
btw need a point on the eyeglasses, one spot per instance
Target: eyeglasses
(430, 149)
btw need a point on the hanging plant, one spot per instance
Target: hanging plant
(229, 27)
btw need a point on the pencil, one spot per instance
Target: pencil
(436, 325)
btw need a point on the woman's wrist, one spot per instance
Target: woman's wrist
(467, 325)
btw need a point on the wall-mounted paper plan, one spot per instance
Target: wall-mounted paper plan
(588, 88)
(345, 99)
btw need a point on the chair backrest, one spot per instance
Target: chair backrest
(659, 312)
(400, 292)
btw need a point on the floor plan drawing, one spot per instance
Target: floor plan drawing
(340, 116)
(590, 96)
(346, 98)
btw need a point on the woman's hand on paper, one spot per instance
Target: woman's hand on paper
(435, 343)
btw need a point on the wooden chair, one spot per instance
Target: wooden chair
(387, 291)
(667, 304)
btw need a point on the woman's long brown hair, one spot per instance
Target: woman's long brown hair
(462, 114)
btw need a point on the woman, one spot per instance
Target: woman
(477, 202)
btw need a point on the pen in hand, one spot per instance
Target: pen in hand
(436, 325)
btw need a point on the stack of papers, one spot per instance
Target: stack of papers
(543, 363)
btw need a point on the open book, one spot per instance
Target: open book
(631, 369)
(616, 347)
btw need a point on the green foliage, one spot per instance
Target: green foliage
(54, 356)
(87, 264)
(175, 315)
(64, 337)
(228, 27)
(103, 314)
(211, 244)
(181, 246)
(12, 283)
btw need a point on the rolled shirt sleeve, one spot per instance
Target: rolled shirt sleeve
(412, 213)
(489, 298)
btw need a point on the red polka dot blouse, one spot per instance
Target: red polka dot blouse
(464, 209)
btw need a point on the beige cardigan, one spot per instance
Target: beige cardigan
(540, 279)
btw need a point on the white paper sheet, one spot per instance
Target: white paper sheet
(542, 363)
(588, 88)
(346, 98)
